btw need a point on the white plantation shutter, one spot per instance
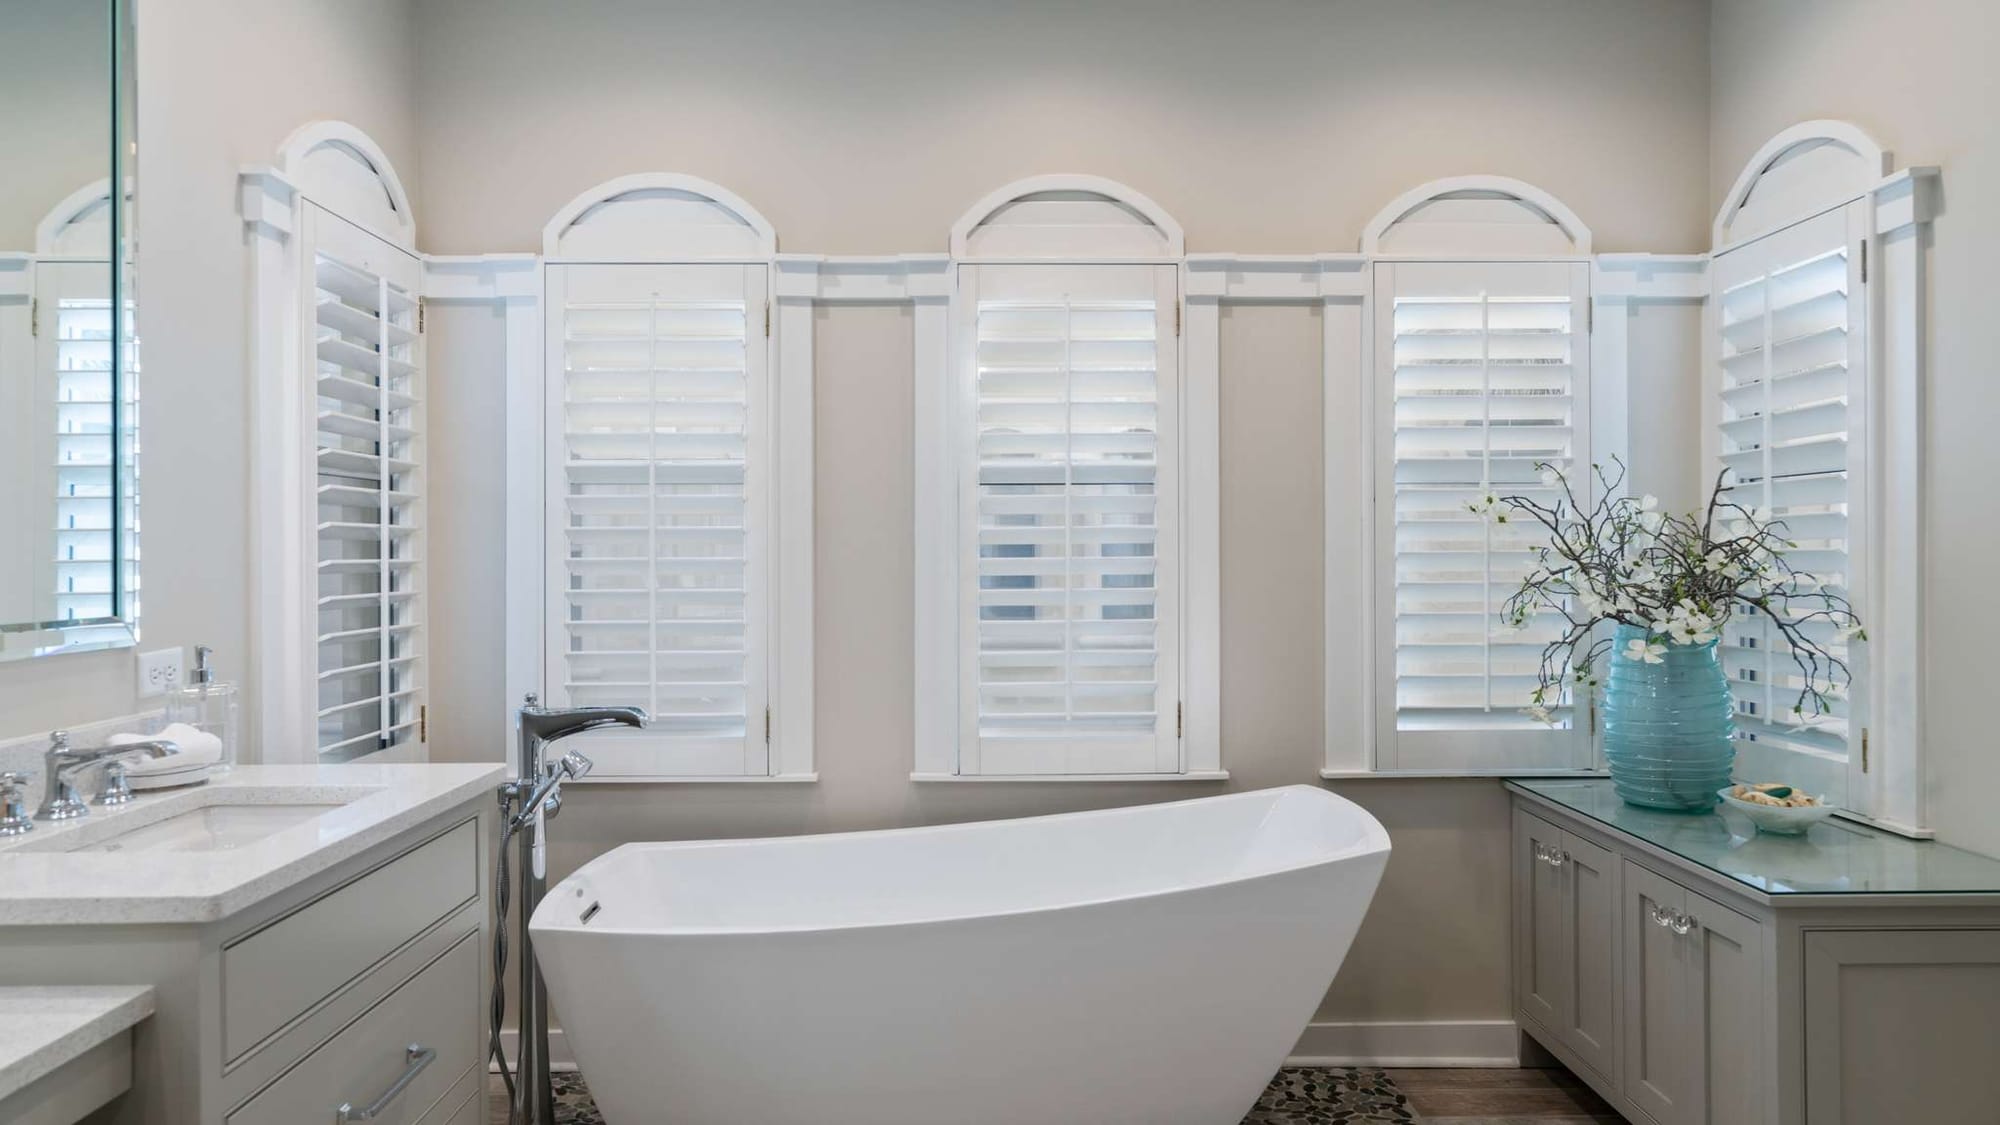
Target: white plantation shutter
(96, 487)
(1790, 314)
(658, 511)
(1482, 371)
(1068, 520)
(366, 375)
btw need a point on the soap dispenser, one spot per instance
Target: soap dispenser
(208, 706)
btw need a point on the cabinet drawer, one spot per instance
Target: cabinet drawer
(274, 975)
(437, 1009)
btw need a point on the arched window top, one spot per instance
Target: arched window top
(659, 215)
(1485, 215)
(80, 225)
(1066, 218)
(1802, 171)
(342, 168)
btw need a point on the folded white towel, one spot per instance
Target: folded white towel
(198, 749)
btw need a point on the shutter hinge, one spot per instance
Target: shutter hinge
(767, 726)
(1589, 317)
(1864, 749)
(35, 316)
(420, 316)
(1592, 708)
(1178, 306)
(1180, 720)
(1864, 261)
(423, 724)
(767, 320)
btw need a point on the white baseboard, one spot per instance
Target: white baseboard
(1435, 1043)
(559, 1056)
(1467, 1043)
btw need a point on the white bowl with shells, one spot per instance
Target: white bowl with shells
(1776, 807)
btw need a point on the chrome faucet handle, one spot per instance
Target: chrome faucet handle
(116, 788)
(14, 818)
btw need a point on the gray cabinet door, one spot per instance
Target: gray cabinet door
(1591, 935)
(1726, 955)
(1659, 1055)
(1902, 1025)
(1542, 975)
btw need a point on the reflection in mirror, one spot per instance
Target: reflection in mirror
(69, 508)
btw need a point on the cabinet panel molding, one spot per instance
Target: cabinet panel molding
(1659, 1059)
(1901, 1025)
(1590, 927)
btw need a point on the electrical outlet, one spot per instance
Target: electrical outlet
(159, 672)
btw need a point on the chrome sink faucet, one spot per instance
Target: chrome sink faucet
(62, 764)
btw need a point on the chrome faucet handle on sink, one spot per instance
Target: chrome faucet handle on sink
(14, 818)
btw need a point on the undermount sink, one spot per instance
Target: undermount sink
(222, 819)
(216, 828)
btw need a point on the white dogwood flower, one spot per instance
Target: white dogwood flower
(1636, 649)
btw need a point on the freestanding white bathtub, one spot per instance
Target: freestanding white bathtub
(1147, 965)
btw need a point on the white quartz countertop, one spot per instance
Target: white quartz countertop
(43, 1028)
(348, 809)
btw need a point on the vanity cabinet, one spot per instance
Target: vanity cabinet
(364, 984)
(1566, 912)
(1695, 973)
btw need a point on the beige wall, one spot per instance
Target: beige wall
(215, 94)
(868, 126)
(1263, 126)
(1921, 76)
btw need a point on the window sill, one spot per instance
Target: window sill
(1040, 778)
(1405, 775)
(683, 779)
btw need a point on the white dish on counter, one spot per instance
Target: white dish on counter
(1783, 820)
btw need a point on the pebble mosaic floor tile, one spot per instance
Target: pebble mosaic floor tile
(1297, 1096)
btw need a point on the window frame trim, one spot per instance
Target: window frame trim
(521, 283)
(272, 201)
(939, 447)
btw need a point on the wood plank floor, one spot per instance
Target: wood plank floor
(1550, 1096)
(1531, 1096)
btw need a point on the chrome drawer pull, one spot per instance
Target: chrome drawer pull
(1660, 915)
(419, 1058)
(1681, 923)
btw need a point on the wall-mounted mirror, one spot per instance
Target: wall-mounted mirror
(69, 388)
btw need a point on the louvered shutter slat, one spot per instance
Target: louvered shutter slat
(366, 378)
(1068, 662)
(1482, 390)
(1788, 347)
(657, 586)
(95, 506)
(1481, 376)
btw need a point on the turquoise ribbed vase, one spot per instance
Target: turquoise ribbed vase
(1668, 726)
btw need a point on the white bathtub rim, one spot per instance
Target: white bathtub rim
(1374, 840)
